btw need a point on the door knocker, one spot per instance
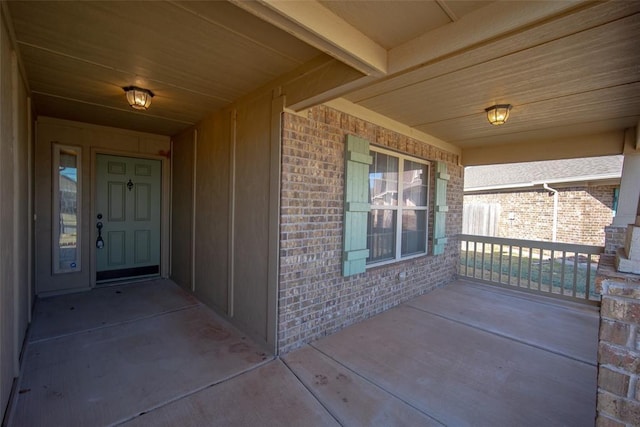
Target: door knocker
(129, 185)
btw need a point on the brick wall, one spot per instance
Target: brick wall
(583, 213)
(314, 299)
(614, 238)
(618, 401)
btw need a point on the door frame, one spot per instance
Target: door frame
(165, 203)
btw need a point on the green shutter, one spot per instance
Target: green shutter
(356, 206)
(441, 209)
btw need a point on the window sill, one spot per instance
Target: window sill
(396, 261)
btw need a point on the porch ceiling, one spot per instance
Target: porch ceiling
(569, 68)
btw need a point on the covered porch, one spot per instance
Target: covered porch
(245, 146)
(148, 353)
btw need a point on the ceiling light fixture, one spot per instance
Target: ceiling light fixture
(138, 98)
(498, 114)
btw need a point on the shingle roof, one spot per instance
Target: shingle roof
(532, 173)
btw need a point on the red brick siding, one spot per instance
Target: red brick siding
(314, 299)
(583, 213)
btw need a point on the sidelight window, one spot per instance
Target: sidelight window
(66, 203)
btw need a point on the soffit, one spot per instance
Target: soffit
(569, 68)
(391, 24)
(567, 76)
(196, 57)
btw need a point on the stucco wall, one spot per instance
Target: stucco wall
(314, 298)
(583, 213)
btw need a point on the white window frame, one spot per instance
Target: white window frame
(399, 208)
(55, 209)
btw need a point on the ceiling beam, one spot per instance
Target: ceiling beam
(603, 144)
(316, 85)
(491, 22)
(319, 27)
(349, 107)
(447, 10)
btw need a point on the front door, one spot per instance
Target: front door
(127, 218)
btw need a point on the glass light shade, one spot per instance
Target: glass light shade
(498, 114)
(138, 98)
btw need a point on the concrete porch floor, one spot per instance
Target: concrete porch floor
(148, 354)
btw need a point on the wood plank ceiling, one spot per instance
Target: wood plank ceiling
(196, 57)
(570, 69)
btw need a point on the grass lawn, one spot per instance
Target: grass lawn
(532, 271)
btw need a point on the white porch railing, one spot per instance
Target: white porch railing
(560, 270)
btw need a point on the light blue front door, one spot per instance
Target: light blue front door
(127, 217)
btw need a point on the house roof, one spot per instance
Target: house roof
(520, 175)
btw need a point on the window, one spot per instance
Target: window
(398, 193)
(66, 209)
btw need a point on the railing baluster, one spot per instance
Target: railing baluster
(551, 262)
(482, 260)
(540, 256)
(475, 253)
(466, 259)
(575, 272)
(530, 266)
(491, 269)
(519, 264)
(509, 267)
(587, 287)
(563, 268)
(500, 266)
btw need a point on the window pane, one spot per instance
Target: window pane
(414, 184)
(381, 235)
(66, 212)
(414, 231)
(383, 180)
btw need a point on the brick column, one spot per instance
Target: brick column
(618, 402)
(614, 238)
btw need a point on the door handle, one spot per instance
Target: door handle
(99, 240)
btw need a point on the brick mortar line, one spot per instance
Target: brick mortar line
(624, 398)
(631, 349)
(631, 339)
(631, 391)
(617, 369)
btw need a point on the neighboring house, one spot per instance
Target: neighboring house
(569, 201)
